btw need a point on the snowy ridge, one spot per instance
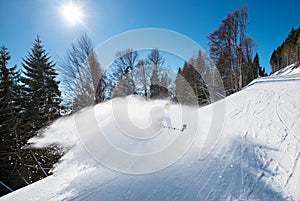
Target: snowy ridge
(256, 158)
(289, 70)
(289, 73)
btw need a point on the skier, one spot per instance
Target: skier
(167, 116)
(167, 123)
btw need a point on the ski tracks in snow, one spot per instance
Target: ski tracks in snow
(241, 172)
(280, 113)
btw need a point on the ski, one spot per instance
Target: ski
(184, 127)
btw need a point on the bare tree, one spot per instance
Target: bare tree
(125, 62)
(231, 50)
(80, 73)
(155, 60)
(142, 76)
(123, 72)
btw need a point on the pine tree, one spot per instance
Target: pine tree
(10, 110)
(255, 66)
(190, 87)
(184, 93)
(257, 70)
(163, 86)
(262, 72)
(288, 52)
(154, 86)
(42, 94)
(41, 106)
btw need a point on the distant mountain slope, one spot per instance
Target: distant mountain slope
(288, 52)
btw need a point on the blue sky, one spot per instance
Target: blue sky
(22, 20)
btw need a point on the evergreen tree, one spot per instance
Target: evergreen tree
(257, 70)
(11, 158)
(163, 86)
(255, 67)
(184, 93)
(154, 86)
(41, 106)
(190, 86)
(288, 52)
(42, 95)
(262, 72)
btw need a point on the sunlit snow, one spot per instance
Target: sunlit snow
(256, 157)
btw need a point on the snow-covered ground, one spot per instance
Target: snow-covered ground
(289, 70)
(255, 157)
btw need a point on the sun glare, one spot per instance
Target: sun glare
(72, 13)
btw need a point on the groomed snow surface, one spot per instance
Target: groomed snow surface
(255, 157)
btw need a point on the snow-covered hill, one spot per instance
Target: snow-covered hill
(292, 69)
(256, 156)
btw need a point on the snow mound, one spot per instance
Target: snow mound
(254, 157)
(293, 69)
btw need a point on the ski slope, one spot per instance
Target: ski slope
(256, 156)
(292, 69)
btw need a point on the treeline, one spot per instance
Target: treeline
(232, 51)
(230, 48)
(29, 101)
(85, 83)
(288, 52)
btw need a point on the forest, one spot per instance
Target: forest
(288, 52)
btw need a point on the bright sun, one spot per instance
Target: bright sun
(72, 13)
